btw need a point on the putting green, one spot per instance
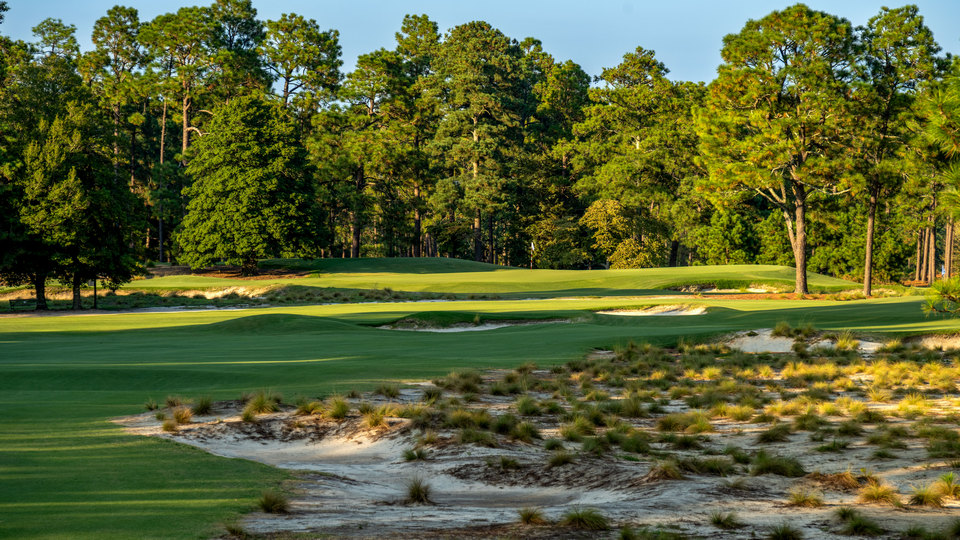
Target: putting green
(66, 472)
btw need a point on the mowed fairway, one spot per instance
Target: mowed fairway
(66, 472)
(467, 277)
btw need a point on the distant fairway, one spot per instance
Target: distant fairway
(467, 277)
(65, 472)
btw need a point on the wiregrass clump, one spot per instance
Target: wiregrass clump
(418, 491)
(585, 518)
(273, 502)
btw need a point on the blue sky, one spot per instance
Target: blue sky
(686, 34)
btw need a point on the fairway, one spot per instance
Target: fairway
(467, 277)
(65, 471)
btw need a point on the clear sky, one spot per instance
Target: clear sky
(686, 34)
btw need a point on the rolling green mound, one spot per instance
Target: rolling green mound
(379, 265)
(462, 277)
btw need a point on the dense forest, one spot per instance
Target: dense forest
(208, 135)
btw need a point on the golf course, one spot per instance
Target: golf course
(66, 471)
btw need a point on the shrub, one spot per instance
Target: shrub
(150, 404)
(247, 415)
(503, 463)
(473, 436)
(391, 391)
(764, 463)
(844, 481)
(527, 406)
(777, 433)
(595, 445)
(782, 329)
(585, 518)
(725, 521)
(182, 415)
(504, 424)
(432, 394)
(927, 495)
(203, 406)
(808, 422)
(160, 415)
(715, 466)
(858, 524)
(737, 455)
(415, 454)
(263, 402)
(375, 418)
(690, 422)
(665, 470)
(876, 492)
(338, 408)
(531, 516)
(833, 446)
(948, 485)
(170, 426)
(418, 491)
(560, 458)
(175, 401)
(553, 444)
(804, 498)
(526, 432)
(785, 531)
(306, 408)
(273, 502)
(636, 443)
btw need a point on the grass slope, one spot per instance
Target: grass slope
(462, 277)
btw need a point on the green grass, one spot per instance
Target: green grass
(467, 277)
(66, 472)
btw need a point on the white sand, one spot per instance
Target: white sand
(656, 311)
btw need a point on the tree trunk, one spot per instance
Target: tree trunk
(800, 248)
(116, 143)
(163, 137)
(921, 250)
(185, 111)
(868, 259)
(674, 253)
(77, 304)
(249, 266)
(355, 230)
(928, 257)
(492, 256)
(417, 222)
(948, 252)
(477, 238)
(40, 290)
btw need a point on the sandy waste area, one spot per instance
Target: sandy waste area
(351, 480)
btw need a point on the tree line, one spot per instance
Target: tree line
(208, 135)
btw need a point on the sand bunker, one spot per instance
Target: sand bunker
(656, 310)
(466, 327)
(350, 480)
(762, 341)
